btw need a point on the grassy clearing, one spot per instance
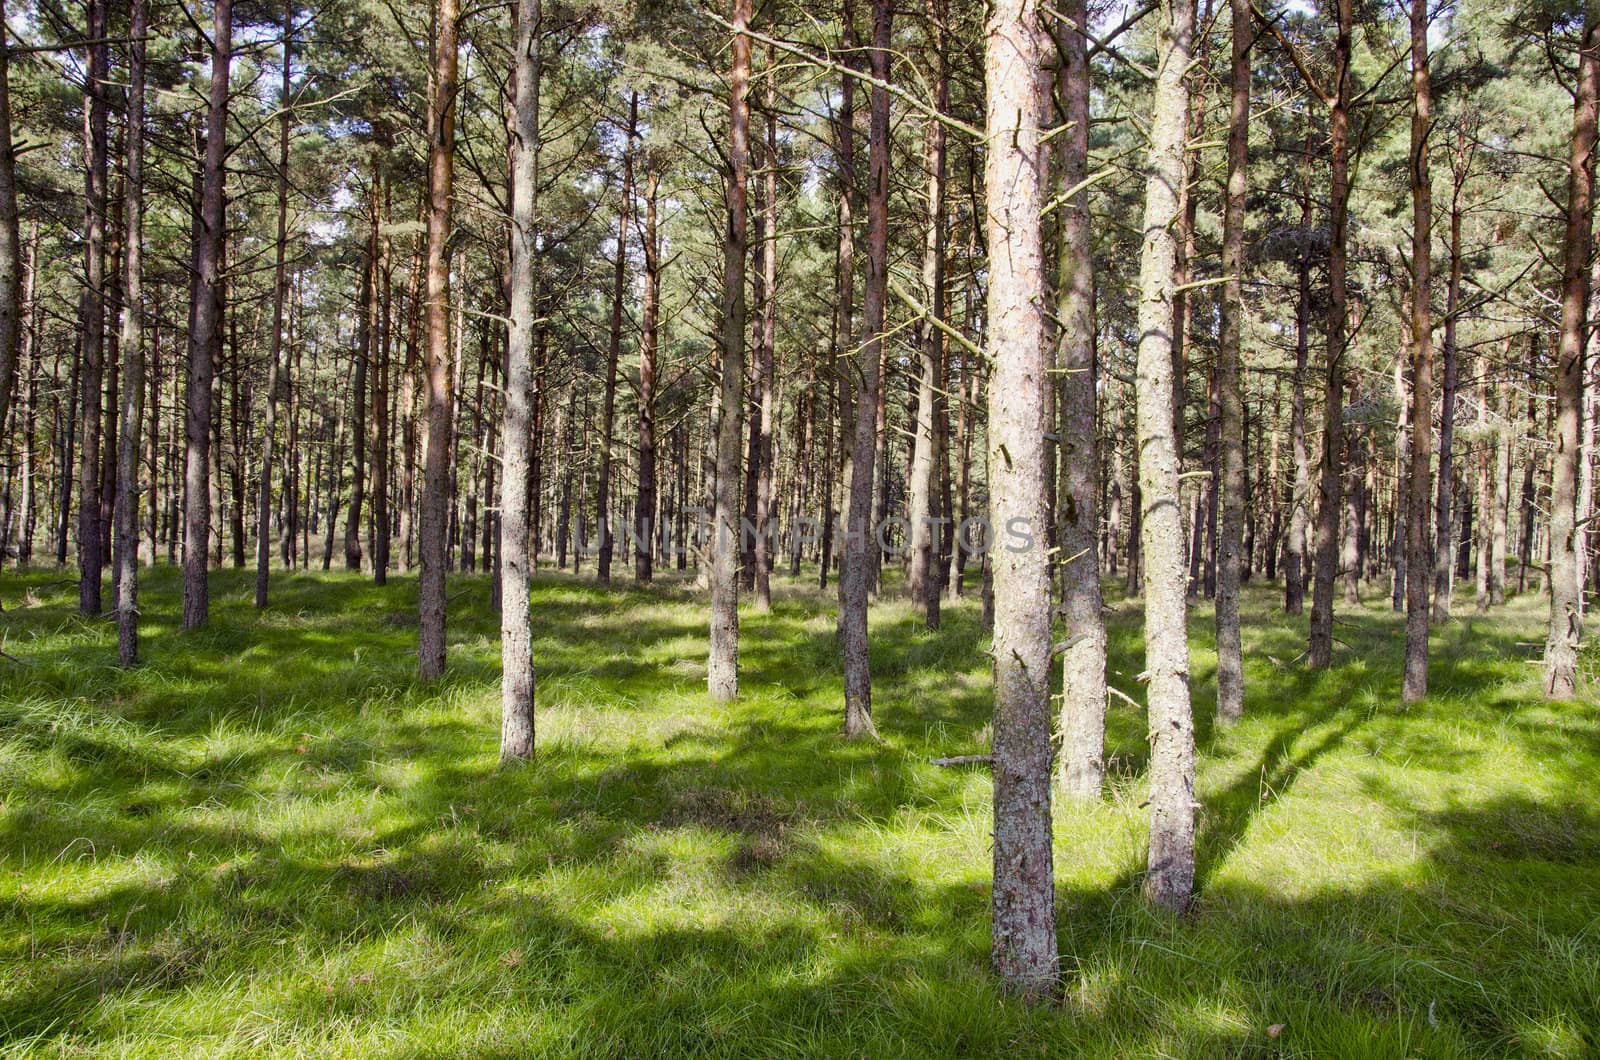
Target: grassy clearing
(269, 840)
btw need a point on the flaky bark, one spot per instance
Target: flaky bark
(517, 687)
(206, 339)
(92, 310)
(922, 573)
(860, 550)
(649, 341)
(1230, 393)
(1024, 936)
(1081, 767)
(1170, 879)
(1419, 532)
(275, 339)
(1319, 652)
(722, 672)
(619, 276)
(1561, 646)
(126, 512)
(433, 524)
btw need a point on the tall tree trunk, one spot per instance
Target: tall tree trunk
(1561, 647)
(861, 552)
(922, 576)
(1170, 880)
(280, 293)
(1444, 528)
(1230, 391)
(1081, 767)
(1294, 565)
(92, 312)
(1419, 532)
(841, 357)
(722, 673)
(433, 529)
(614, 352)
(766, 350)
(378, 434)
(126, 513)
(13, 298)
(366, 345)
(1024, 933)
(517, 685)
(1319, 652)
(206, 340)
(649, 340)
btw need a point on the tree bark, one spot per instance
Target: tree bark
(92, 313)
(608, 428)
(1419, 532)
(126, 512)
(861, 551)
(433, 529)
(275, 339)
(649, 342)
(922, 575)
(207, 336)
(1319, 652)
(1081, 767)
(1170, 879)
(1561, 646)
(1230, 392)
(517, 682)
(1024, 935)
(722, 673)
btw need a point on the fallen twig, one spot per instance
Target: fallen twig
(964, 760)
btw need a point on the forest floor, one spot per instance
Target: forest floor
(269, 839)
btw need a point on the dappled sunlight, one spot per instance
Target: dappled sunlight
(269, 837)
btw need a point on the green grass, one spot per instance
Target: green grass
(269, 839)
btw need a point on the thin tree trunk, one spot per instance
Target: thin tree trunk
(275, 340)
(861, 552)
(761, 454)
(126, 512)
(922, 576)
(1230, 392)
(614, 353)
(722, 672)
(1561, 647)
(1319, 652)
(1024, 952)
(517, 683)
(1170, 880)
(435, 515)
(1081, 768)
(207, 337)
(92, 313)
(1419, 534)
(1445, 531)
(649, 339)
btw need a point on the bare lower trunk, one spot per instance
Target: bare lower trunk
(207, 337)
(1170, 879)
(922, 574)
(517, 687)
(861, 552)
(722, 674)
(275, 340)
(1561, 647)
(1419, 532)
(1024, 936)
(433, 529)
(92, 313)
(1081, 768)
(1319, 652)
(126, 513)
(1230, 650)
(648, 344)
